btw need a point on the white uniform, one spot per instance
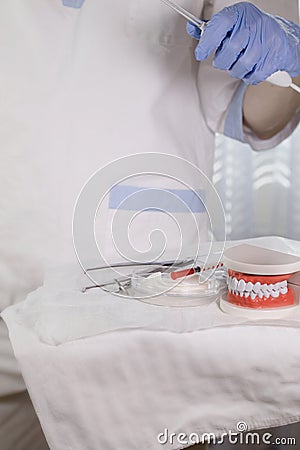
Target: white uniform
(80, 88)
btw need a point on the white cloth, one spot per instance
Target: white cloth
(188, 370)
(121, 389)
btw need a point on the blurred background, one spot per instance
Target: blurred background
(260, 191)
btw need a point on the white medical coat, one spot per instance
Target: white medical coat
(82, 87)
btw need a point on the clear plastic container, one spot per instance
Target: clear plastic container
(160, 289)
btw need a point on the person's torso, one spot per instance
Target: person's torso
(81, 88)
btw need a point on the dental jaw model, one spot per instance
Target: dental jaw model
(258, 282)
(259, 291)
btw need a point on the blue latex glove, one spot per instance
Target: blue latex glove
(249, 43)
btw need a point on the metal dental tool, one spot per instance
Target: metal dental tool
(189, 16)
(119, 285)
(279, 78)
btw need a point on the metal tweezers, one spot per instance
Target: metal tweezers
(189, 16)
(124, 282)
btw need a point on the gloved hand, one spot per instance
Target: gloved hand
(249, 43)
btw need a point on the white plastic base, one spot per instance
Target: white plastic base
(256, 314)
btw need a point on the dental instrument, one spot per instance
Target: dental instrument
(280, 78)
(189, 16)
(156, 282)
(123, 282)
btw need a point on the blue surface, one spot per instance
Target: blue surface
(73, 3)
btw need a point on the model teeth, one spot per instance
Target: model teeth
(234, 284)
(275, 294)
(265, 289)
(249, 286)
(241, 286)
(246, 289)
(257, 287)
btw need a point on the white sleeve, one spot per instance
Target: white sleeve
(222, 96)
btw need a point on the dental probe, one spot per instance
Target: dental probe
(163, 267)
(189, 16)
(279, 78)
